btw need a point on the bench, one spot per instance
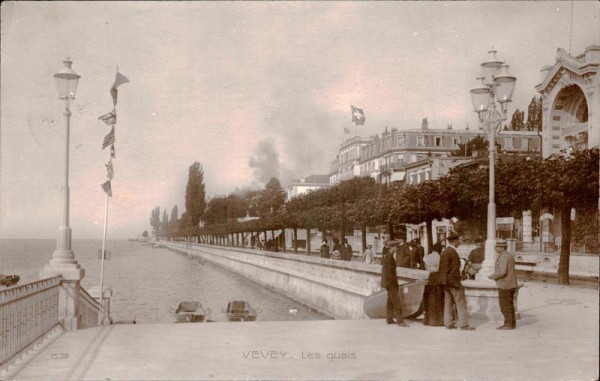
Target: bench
(527, 266)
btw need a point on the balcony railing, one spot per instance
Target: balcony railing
(89, 309)
(27, 314)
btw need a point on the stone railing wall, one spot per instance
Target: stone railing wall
(27, 314)
(89, 308)
(337, 288)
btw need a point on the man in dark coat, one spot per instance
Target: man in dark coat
(346, 251)
(417, 254)
(324, 250)
(389, 281)
(403, 254)
(454, 293)
(506, 280)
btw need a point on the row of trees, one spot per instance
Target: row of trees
(558, 184)
(534, 117)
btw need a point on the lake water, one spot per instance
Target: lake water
(148, 283)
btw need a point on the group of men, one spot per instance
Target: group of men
(455, 304)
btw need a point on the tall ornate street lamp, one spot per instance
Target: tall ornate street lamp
(63, 260)
(497, 86)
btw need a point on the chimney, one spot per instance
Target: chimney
(424, 124)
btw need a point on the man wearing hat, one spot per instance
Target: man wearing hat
(454, 293)
(506, 280)
(389, 281)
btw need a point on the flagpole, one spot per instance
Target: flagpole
(102, 265)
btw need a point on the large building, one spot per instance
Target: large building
(306, 185)
(417, 155)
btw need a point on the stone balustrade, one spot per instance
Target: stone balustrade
(89, 308)
(27, 314)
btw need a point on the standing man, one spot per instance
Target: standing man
(324, 249)
(403, 254)
(389, 281)
(454, 293)
(346, 251)
(476, 257)
(418, 254)
(506, 280)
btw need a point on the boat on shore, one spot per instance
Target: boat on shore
(411, 299)
(9, 280)
(240, 310)
(189, 312)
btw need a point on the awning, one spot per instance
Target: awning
(398, 176)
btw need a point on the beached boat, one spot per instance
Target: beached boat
(239, 310)
(190, 312)
(9, 280)
(411, 298)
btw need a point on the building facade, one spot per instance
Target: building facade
(306, 185)
(570, 91)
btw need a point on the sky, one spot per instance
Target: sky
(251, 90)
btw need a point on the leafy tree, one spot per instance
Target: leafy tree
(155, 220)
(195, 202)
(517, 121)
(271, 198)
(569, 182)
(478, 144)
(174, 220)
(534, 114)
(164, 226)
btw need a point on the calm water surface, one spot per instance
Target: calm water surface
(148, 283)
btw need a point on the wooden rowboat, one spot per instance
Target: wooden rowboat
(9, 280)
(190, 312)
(411, 298)
(239, 310)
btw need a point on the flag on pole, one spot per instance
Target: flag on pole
(346, 130)
(110, 172)
(109, 139)
(358, 116)
(119, 80)
(112, 152)
(109, 118)
(106, 188)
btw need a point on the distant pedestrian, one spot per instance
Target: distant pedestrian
(368, 254)
(506, 280)
(433, 297)
(403, 254)
(417, 255)
(346, 251)
(389, 281)
(336, 251)
(475, 259)
(454, 293)
(324, 249)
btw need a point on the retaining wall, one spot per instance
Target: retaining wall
(337, 288)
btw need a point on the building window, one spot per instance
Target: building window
(438, 141)
(400, 141)
(555, 137)
(556, 117)
(508, 143)
(413, 158)
(427, 175)
(558, 107)
(555, 128)
(420, 141)
(455, 142)
(555, 145)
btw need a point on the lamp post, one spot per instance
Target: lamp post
(63, 260)
(496, 87)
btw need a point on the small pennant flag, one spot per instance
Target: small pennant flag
(112, 152)
(110, 172)
(119, 80)
(109, 139)
(358, 116)
(106, 188)
(346, 130)
(110, 118)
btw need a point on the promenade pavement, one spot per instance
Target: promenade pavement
(556, 339)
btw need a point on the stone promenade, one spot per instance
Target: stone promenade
(556, 339)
